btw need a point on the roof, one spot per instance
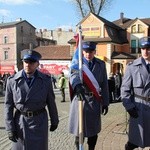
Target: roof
(111, 24)
(102, 40)
(14, 23)
(126, 22)
(54, 52)
(123, 23)
(115, 32)
(107, 39)
(146, 21)
(122, 55)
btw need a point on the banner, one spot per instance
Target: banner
(7, 69)
(53, 68)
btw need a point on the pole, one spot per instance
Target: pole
(80, 100)
(80, 54)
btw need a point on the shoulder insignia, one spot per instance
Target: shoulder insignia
(99, 60)
(11, 76)
(48, 76)
(74, 71)
(130, 63)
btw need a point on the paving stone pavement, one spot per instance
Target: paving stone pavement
(113, 135)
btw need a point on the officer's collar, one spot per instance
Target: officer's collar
(20, 74)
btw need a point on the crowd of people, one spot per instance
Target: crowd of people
(3, 82)
(114, 83)
(29, 92)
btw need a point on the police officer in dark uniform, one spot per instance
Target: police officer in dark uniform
(135, 94)
(118, 82)
(93, 106)
(28, 92)
(111, 85)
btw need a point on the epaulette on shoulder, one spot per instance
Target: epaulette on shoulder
(130, 63)
(74, 71)
(47, 76)
(99, 60)
(11, 76)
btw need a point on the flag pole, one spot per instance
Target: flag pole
(81, 98)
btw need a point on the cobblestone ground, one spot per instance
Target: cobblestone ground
(112, 137)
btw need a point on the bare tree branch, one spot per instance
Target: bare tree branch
(102, 2)
(86, 6)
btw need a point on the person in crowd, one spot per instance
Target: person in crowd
(1, 85)
(5, 76)
(118, 82)
(111, 85)
(28, 93)
(62, 85)
(135, 94)
(54, 81)
(94, 93)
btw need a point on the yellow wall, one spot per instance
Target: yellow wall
(92, 27)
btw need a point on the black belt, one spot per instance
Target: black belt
(142, 97)
(32, 113)
(90, 94)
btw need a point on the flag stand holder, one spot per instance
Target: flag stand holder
(80, 123)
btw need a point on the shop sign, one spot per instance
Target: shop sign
(7, 69)
(53, 68)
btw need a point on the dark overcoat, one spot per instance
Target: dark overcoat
(91, 107)
(32, 131)
(137, 81)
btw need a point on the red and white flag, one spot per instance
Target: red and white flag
(88, 77)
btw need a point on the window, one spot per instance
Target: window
(110, 31)
(21, 28)
(139, 49)
(30, 31)
(5, 55)
(133, 29)
(133, 46)
(5, 39)
(140, 28)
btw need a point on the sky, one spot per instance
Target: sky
(53, 14)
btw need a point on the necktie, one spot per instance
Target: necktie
(90, 65)
(148, 67)
(29, 81)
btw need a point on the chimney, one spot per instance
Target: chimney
(121, 18)
(40, 31)
(70, 30)
(19, 19)
(59, 29)
(44, 30)
(31, 46)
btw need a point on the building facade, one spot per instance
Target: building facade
(14, 37)
(59, 36)
(117, 42)
(55, 59)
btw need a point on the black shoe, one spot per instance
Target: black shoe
(62, 101)
(91, 148)
(130, 146)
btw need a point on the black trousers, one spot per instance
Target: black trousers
(63, 93)
(91, 141)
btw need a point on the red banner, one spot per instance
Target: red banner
(7, 69)
(53, 68)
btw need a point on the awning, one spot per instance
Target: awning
(7, 69)
(122, 55)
